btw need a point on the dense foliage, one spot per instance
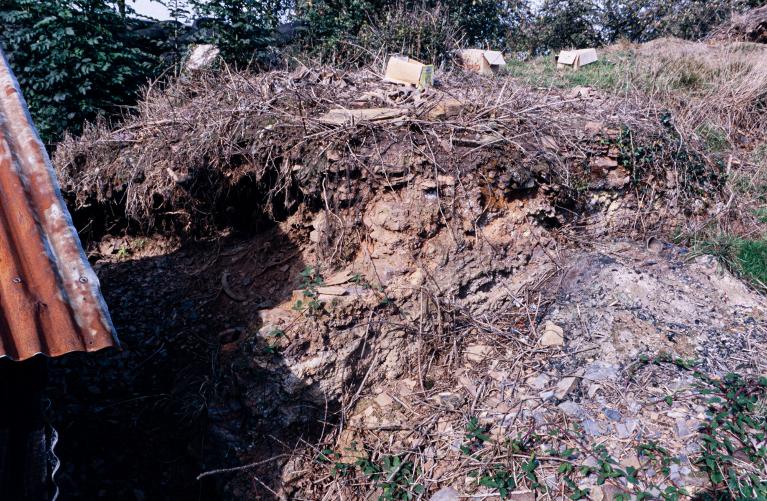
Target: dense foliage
(524, 26)
(71, 59)
(244, 30)
(332, 26)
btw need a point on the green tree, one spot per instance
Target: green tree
(331, 22)
(488, 23)
(563, 24)
(624, 19)
(244, 30)
(690, 19)
(331, 25)
(71, 60)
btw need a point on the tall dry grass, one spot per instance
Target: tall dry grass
(717, 92)
(719, 88)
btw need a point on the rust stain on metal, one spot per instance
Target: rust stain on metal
(50, 300)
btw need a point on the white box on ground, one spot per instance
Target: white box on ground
(576, 58)
(403, 70)
(484, 62)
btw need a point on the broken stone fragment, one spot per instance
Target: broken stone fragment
(553, 335)
(447, 107)
(565, 386)
(446, 494)
(618, 178)
(633, 461)
(522, 496)
(572, 409)
(600, 371)
(383, 400)
(682, 430)
(596, 493)
(538, 382)
(549, 143)
(593, 428)
(417, 278)
(449, 400)
(343, 116)
(579, 92)
(611, 492)
(625, 430)
(594, 127)
(546, 395)
(604, 163)
(201, 57)
(478, 352)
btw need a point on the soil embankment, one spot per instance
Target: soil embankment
(394, 292)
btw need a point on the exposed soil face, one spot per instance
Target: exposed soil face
(489, 266)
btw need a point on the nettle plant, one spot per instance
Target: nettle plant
(393, 475)
(559, 454)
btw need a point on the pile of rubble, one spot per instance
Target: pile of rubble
(216, 149)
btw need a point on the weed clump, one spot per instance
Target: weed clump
(745, 257)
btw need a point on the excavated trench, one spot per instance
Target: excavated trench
(134, 424)
(347, 289)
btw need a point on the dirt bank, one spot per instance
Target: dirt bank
(398, 303)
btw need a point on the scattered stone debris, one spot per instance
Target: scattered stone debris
(565, 386)
(446, 494)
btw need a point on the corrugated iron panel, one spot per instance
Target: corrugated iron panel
(50, 300)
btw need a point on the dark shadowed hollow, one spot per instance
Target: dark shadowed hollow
(144, 422)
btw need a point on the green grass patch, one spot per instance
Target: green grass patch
(543, 72)
(747, 258)
(759, 154)
(752, 259)
(714, 138)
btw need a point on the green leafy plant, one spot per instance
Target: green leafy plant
(311, 280)
(244, 30)
(499, 478)
(74, 59)
(733, 437)
(476, 436)
(393, 475)
(733, 434)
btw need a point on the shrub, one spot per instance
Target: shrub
(563, 24)
(427, 35)
(346, 29)
(70, 60)
(244, 30)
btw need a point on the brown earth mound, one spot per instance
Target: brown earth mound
(223, 149)
(437, 301)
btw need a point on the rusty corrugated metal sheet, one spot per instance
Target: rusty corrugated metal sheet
(50, 300)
